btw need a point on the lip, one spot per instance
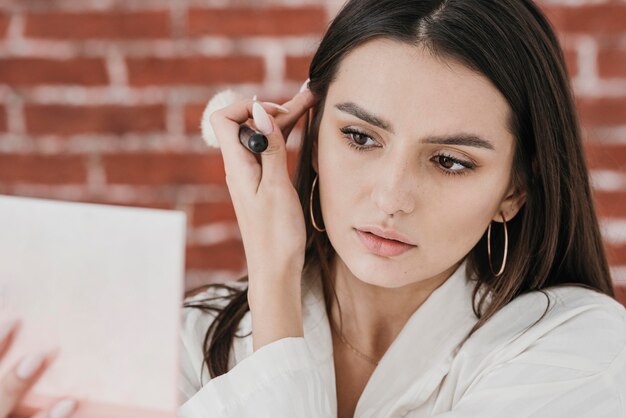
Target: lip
(381, 246)
(386, 233)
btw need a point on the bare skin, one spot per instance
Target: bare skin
(14, 386)
(404, 183)
(400, 184)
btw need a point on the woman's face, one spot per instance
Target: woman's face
(442, 196)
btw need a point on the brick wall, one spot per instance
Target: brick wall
(100, 101)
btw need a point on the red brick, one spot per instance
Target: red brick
(195, 70)
(206, 213)
(292, 162)
(69, 120)
(610, 204)
(597, 19)
(612, 63)
(297, 68)
(3, 119)
(602, 111)
(616, 254)
(105, 25)
(164, 168)
(571, 61)
(228, 255)
(32, 71)
(4, 24)
(620, 293)
(193, 117)
(43, 169)
(133, 204)
(256, 21)
(606, 157)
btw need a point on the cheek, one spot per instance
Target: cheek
(339, 170)
(448, 212)
(454, 228)
(342, 208)
(336, 192)
(459, 219)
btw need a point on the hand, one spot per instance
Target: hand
(15, 384)
(266, 204)
(269, 214)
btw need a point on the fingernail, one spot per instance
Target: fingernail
(261, 119)
(62, 409)
(29, 365)
(305, 85)
(277, 106)
(6, 328)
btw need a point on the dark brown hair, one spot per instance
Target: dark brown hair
(554, 239)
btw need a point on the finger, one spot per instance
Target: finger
(62, 409)
(297, 106)
(7, 331)
(18, 380)
(242, 167)
(274, 158)
(275, 163)
(240, 112)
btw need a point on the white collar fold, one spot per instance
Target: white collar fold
(417, 360)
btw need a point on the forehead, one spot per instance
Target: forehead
(418, 92)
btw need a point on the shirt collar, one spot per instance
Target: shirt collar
(417, 360)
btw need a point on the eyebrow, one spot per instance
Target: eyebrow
(470, 140)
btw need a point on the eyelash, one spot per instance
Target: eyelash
(468, 165)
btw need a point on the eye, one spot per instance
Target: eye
(356, 139)
(448, 162)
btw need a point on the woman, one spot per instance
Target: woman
(440, 253)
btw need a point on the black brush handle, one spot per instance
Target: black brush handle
(253, 140)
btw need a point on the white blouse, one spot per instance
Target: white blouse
(571, 364)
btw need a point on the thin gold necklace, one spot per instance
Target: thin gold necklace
(369, 359)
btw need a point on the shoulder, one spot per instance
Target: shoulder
(579, 315)
(569, 362)
(579, 328)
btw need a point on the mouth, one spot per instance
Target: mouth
(382, 246)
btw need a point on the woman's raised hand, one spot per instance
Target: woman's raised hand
(268, 212)
(266, 204)
(19, 379)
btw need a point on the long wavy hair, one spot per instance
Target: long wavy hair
(554, 239)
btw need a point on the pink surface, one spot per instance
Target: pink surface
(89, 409)
(101, 287)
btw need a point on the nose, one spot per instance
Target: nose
(395, 187)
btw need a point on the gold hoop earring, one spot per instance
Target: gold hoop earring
(311, 207)
(506, 247)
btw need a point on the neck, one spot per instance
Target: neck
(373, 316)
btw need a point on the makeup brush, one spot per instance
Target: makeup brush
(250, 138)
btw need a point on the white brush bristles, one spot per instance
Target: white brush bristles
(218, 101)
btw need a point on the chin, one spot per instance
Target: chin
(378, 271)
(368, 267)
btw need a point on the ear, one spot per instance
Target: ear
(510, 205)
